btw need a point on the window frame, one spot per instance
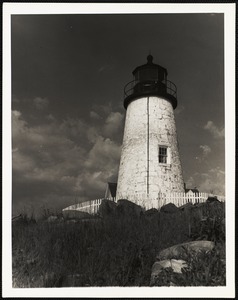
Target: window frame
(164, 158)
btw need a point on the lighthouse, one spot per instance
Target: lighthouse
(150, 162)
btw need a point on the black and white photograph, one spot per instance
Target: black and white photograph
(119, 149)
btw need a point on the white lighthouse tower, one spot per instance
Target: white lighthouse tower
(150, 162)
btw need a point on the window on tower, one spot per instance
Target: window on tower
(163, 155)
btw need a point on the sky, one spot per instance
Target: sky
(68, 76)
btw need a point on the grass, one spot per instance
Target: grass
(114, 251)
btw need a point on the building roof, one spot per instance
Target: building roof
(112, 188)
(193, 190)
(151, 65)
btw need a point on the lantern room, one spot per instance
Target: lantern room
(150, 80)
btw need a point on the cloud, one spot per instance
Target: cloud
(214, 130)
(41, 103)
(94, 115)
(113, 124)
(212, 181)
(102, 110)
(50, 117)
(57, 162)
(206, 150)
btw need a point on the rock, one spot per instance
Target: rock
(186, 206)
(200, 204)
(169, 208)
(127, 207)
(158, 266)
(181, 250)
(215, 208)
(75, 214)
(212, 199)
(151, 212)
(52, 219)
(107, 208)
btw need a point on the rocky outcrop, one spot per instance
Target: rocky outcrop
(175, 264)
(107, 208)
(75, 214)
(175, 258)
(127, 207)
(212, 199)
(186, 206)
(169, 208)
(182, 250)
(151, 212)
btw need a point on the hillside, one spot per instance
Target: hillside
(118, 247)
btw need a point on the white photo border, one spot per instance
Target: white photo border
(121, 8)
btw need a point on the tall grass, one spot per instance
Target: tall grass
(114, 251)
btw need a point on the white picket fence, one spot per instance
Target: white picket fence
(91, 206)
(145, 201)
(178, 199)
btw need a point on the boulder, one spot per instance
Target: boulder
(212, 199)
(107, 208)
(169, 208)
(215, 208)
(200, 204)
(126, 207)
(187, 206)
(182, 250)
(158, 266)
(151, 212)
(75, 214)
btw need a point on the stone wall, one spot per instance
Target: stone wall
(149, 124)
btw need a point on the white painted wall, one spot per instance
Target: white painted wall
(132, 178)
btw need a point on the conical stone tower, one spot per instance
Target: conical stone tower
(150, 162)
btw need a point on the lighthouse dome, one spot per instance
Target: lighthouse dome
(150, 80)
